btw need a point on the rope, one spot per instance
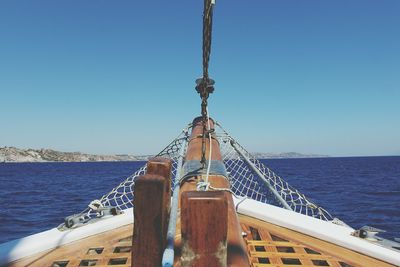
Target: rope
(207, 30)
(221, 189)
(205, 185)
(205, 85)
(210, 145)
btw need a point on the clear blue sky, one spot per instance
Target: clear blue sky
(118, 76)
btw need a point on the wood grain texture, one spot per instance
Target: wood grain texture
(78, 251)
(162, 167)
(260, 236)
(308, 250)
(204, 221)
(152, 203)
(149, 216)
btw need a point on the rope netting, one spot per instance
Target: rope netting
(246, 183)
(121, 196)
(248, 178)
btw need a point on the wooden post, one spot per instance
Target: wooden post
(151, 204)
(163, 167)
(204, 228)
(237, 251)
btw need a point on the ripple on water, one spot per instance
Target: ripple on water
(359, 191)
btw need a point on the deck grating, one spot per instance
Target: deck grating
(270, 249)
(268, 246)
(265, 249)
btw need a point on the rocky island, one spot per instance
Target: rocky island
(13, 154)
(286, 155)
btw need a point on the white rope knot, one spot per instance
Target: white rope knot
(203, 186)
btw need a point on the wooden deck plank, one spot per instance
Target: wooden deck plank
(305, 249)
(77, 251)
(331, 251)
(301, 250)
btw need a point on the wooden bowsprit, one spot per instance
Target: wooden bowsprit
(204, 208)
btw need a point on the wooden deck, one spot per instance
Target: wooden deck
(271, 245)
(112, 248)
(268, 246)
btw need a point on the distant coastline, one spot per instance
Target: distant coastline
(287, 155)
(13, 154)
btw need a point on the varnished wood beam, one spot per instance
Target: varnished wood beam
(151, 204)
(237, 251)
(163, 167)
(204, 222)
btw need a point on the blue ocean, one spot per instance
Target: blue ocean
(359, 190)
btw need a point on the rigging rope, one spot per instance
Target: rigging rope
(210, 149)
(205, 85)
(207, 30)
(205, 185)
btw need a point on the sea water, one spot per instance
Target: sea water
(358, 190)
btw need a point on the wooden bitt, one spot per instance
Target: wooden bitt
(237, 251)
(163, 167)
(204, 220)
(151, 202)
